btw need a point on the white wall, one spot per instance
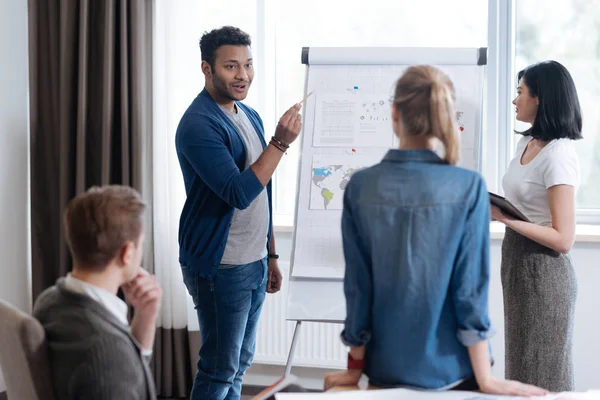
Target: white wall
(587, 321)
(14, 253)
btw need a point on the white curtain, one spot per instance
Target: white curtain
(176, 81)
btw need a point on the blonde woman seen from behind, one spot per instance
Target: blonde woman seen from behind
(415, 233)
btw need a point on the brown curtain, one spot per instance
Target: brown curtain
(90, 110)
(171, 363)
(90, 99)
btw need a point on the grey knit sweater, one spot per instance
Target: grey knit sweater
(93, 355)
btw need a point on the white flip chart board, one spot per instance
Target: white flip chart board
(347, 126)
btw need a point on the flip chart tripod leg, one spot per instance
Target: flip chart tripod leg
(290, 360)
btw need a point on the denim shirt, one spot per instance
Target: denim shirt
(416, 244)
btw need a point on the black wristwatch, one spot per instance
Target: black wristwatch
(274, 256)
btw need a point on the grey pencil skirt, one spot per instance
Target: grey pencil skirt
(540, 290)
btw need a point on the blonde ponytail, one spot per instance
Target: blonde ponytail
(443, 119)
(425, 98)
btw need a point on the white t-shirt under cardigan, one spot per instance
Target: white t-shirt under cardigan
(525, 186)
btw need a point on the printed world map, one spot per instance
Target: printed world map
(330, 176)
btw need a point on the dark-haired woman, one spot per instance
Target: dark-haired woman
(538, 279)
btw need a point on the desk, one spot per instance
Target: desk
(361, 386)
(590, 395)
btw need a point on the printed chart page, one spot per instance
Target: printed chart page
(353, 120)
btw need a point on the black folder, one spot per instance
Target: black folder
(507, 207)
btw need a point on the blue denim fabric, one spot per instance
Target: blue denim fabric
(416, 244)
(228, 308)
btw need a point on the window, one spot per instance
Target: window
(568, 31)
(338, 23)
(520, 33)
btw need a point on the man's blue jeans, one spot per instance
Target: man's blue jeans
(228, 309)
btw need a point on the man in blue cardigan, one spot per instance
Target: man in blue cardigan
(227, 248)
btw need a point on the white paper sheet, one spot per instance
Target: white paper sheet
(348, 126)
(319, 247)
(405, 394)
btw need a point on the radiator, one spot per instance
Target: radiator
(318, 345)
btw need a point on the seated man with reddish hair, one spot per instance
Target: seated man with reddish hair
(94, 352)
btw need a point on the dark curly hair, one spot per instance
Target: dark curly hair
(226, 35)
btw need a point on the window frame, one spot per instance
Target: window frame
(503, 35)
(498, 142)
(497, 151)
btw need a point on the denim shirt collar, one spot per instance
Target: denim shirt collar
(426, 156)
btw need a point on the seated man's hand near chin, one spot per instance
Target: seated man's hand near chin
(144, 295)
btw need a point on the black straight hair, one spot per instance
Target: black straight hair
(559, 113)
(226, 35)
